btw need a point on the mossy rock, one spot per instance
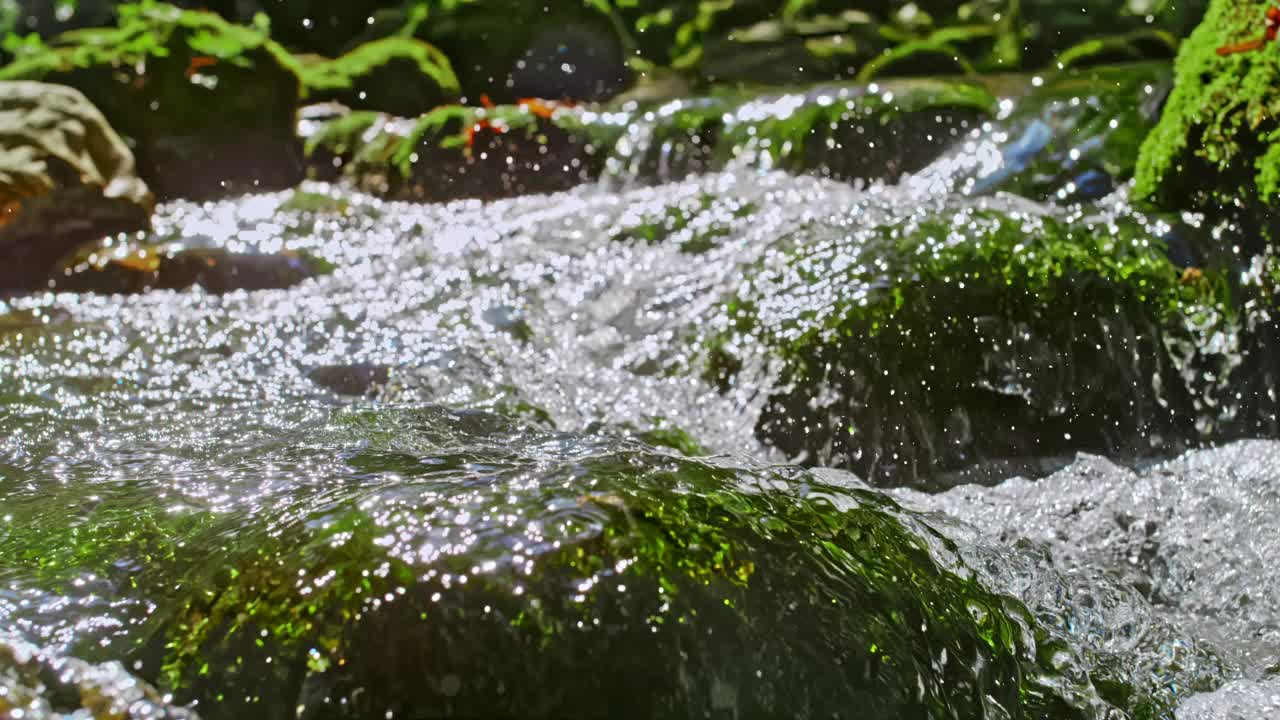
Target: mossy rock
(473, 567)
(209, 106)
(1216, 145)
(965, 337)
(66, 178)
(880, 131)
(400, 76)
(460, 152)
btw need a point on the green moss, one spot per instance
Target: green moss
(1212, 145)
(461, 553)
(342, 136)
(796, 140)
(695, 225)
(850, 133)
(967, 336)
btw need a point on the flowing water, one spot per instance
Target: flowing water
(370, 491)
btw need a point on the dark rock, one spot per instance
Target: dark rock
(397, 589)
(129, 269)
(852, 132)
(65, 178)
(458, 152)
(220, 271)
(353, 380)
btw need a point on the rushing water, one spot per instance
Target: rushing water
(473, 383)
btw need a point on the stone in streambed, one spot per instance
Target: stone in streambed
(456, 152)
(352, 380)
(133, 269)
(65, 178)
(464, 565)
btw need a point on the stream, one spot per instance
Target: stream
(482, 470)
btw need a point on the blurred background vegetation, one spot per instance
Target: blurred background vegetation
(594, 49)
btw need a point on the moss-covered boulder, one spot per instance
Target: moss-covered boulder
(961, 337)
(878, 131)
(400, 76)
(1216, 145)
(65, 178)
(458, 151)
(209, 106)
(466, 566)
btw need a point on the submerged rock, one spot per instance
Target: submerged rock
(65, 178)
(38, 684)
(353, 380)
(133, 269)
(208, 105)
(959, 336)
(466, 567)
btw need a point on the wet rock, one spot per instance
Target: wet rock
(510, 49)
(220, 271)
(852, 132)
(458, 152)
(644, 577)
(127, 269)
(38, 684)
(209, 106)
(961, 337)
(353, 380)
(65, 178)
(400, 76)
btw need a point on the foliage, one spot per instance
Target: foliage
(736, 41)
(146, 30)
(341, 73)
(352, 78)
